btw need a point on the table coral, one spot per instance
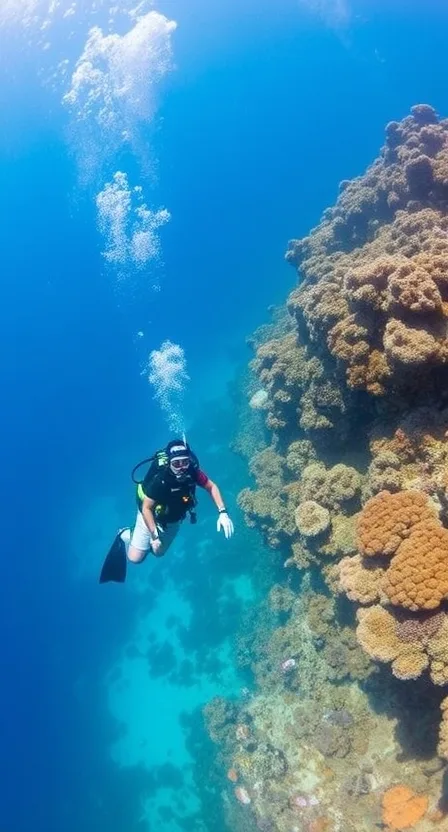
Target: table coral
(403, 808)
(410, 664)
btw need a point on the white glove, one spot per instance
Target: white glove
(225, 524)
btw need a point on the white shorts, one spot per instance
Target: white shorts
(141, 538)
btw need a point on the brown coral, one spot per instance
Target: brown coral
(370, 266)
(417, 577)
(403, 808)
(387, 519)
(410, 346)
(411, 288)
(437, 649)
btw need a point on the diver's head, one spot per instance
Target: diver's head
(179, 458)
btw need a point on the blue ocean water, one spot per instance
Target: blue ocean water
(265, 110)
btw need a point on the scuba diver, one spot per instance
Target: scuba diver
(164, 498)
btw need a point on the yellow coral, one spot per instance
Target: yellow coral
(410, 664)
(377, 635)
(387, 519)
(360, 580)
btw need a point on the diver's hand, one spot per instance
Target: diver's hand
(225, 524)
(156, 546)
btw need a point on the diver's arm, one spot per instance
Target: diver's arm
(148, 517)
(215, 494)
(224, 522)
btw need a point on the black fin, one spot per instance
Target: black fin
(114, 567)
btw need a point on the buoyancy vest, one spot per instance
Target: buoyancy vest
(175, 497)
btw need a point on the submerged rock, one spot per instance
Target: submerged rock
(341, 717)
(332, 741)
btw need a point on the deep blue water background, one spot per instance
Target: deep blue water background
(267, 111)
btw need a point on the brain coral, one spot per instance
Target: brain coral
(387, 519)
(311, 518)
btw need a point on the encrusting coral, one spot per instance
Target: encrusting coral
(402, 808)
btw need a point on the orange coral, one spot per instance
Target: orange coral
(387, 519)
(403, 808)
(417, 577)
(404, 525)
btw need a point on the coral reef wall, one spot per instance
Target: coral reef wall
(346, 725)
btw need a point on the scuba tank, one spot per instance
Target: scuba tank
(158, 460)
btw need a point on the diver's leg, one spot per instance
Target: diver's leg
(138, 543)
